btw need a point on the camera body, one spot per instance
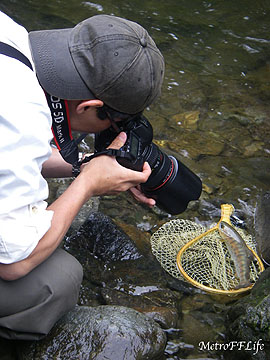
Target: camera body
(171, 183)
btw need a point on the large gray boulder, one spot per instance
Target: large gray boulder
(249, 321)
(98, 333)
(262, 226)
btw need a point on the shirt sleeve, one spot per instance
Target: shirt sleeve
(21, 231)
(25, 135)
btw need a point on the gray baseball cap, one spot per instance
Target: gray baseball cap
(104, 57)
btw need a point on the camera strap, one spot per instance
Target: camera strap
(10, 51)
(67, 146)
(110, 152)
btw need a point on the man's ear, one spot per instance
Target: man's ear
(86, 104)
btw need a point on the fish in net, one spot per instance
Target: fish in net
(190, 252)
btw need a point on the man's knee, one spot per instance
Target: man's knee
(33, 304)
(66, 278)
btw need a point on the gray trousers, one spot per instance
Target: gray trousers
(30, 306)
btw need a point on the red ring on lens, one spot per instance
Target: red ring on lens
(168, 178)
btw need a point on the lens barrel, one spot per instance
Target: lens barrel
(171, 183)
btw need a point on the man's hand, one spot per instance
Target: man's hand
(136, 190)
(106, 176)
(139, 195)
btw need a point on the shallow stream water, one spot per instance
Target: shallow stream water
(214, 110)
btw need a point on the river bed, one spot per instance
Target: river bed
(213, 113)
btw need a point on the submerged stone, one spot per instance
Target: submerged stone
(187, 119)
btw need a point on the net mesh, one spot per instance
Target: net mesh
(207, 261)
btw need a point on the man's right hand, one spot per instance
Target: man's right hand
(104, 175)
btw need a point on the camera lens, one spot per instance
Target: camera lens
(171, 183)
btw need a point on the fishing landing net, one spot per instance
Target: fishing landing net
(190, 252)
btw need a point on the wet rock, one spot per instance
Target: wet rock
(58, 187)
(203, 319)
(210, 209)
(100, 236)
(178, 347)
(160, 305)
(91, 206)
(89, 295)
(166, 317)
(197, 302)
(187, 119)
(249, 320)
(253, 148)
(140, 238)
(180, 286)
(129, 276)
(197, 330)
(209, 188)
(104, 332)
(206, 145)
(262, 226)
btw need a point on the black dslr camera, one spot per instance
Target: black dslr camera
(171, 183)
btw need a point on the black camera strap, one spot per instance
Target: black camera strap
(10, 51)
(110, 152)
(67, 146)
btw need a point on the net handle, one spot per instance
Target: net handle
(226, 212)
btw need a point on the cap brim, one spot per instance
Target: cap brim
(55, 69)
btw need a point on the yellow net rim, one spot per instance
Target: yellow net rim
(226, 209)
(208, 288)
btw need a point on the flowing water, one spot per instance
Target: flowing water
(214, 110)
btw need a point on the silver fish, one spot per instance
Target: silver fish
(240, 253)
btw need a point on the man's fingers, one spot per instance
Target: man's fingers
(119, 141)
(146, 170)
(139, 196)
